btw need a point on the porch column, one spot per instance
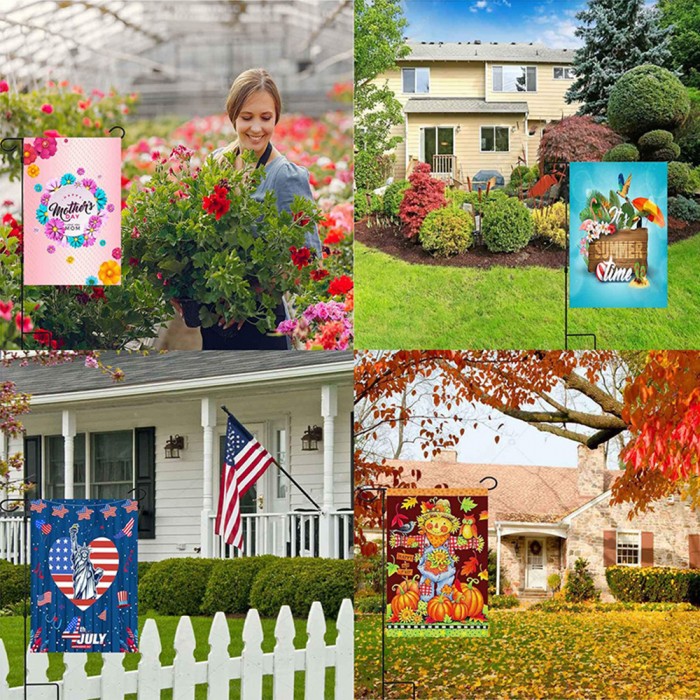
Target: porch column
(329, 410)
(498, 559)
(526, 139)
(68, 452)
(208, 425)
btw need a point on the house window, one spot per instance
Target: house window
(112, 473)
(629, 549)
(514, 79)
(495, 138)
(415, 80)
(563, 73)
(55, 467)
(282, 482)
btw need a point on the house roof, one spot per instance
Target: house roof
(493, 51)
(196, 367)
(462, 105)
(524, 493)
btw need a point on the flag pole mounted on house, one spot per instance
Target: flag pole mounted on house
(245, 461)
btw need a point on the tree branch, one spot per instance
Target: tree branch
(595, 393)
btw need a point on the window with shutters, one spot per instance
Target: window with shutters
(629, 549)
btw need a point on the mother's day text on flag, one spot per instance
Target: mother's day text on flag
(84, 575)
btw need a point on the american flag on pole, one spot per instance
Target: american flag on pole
(245, 462)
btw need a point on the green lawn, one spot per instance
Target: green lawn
(593, 656)
(11, 635)
(399, 305)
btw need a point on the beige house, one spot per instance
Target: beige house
(472, 106)
(541, 519)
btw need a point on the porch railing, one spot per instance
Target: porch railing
(13, 538)
(295, 534)
(444, 165)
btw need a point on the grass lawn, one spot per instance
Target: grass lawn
(399, 305)
(11, 635)
(596, 656)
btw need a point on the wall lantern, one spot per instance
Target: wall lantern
(173, 446)
(311, 438)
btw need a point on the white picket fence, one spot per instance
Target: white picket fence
(250, 667)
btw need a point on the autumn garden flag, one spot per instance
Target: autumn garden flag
(72, 211)
(618, 252)
(84, 574)
(437, 562)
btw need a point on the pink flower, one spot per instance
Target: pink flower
(47, 108)
(45, 146)
(6, 310)
(90, 361)
(117, 253)
(4, 87)
(23, 323)
(52, 133)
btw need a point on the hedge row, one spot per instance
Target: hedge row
(654, 584)
(11, 583)
(556, 605)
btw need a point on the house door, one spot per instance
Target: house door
(438, 141)
(535, 570)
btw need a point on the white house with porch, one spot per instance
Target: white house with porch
(160, 434)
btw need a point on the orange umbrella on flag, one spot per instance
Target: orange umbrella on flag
(649, 210)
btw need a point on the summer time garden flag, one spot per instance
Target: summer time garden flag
(72, 211)
(84, 575)
(618, 251)
(437, 562)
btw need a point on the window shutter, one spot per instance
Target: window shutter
(32, 463)
(647, 549)
(609, 548)
(146, 481)
(694, 551)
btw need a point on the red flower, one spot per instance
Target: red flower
(217, 203)
(340, 285)
(4, 87)
(42, 336)
(301, 218)
(29, 154)
(301, 257)
(47, 108)
(98, 293)
(24, 323)
(317, 275)
(335, 235)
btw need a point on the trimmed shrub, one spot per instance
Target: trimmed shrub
(479, 200)
(680, 178)
(683, 208)
(299, 582)
(423, 196)
(550, 223)
(367, 602)
(175, 586)
(665, 155)
(447, 232)
(503, 602)
(654, 584)
(645, 98)
(144, 566)
(228, 588)
(456, 198)
(623, 152)
(361, 208)
(522, 178)
(555, 605)
(579, 583)
(393, 196)
(657, 138)
(11, 583)
(376, 204)
(507, 226)
(553, 582)
(688, 136)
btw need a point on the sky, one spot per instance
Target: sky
(551, 22)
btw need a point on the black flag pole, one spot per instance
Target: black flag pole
(281, 468)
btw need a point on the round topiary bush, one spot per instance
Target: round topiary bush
(657, 138)
(680, 178)
(645, 98)
(299, 582)
(361, 207)
(447, 232)
(506, 226)
(623, 152)
(230, 582)
(480, 200)
(666, 154)
(11, 583)
(393, 196)
(175, 586)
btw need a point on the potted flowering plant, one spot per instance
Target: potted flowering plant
(197, 234)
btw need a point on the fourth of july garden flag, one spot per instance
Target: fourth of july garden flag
(84, 575)
(245, 462)
(437, 562)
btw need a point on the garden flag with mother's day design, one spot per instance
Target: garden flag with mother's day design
(618, 241)
(84, 575)
(72, 211)
(437, 562)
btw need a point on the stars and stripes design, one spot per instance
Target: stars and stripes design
(72, 630)
(45, 599)
(245, 462)
(126, 531)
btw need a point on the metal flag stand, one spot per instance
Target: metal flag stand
(46, 336)
(369, 494)
(6, 507)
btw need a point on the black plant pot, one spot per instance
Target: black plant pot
(190, 312)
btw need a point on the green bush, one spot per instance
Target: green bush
(371, 171)
(550, 223)
(522, 178)
(361, 206)
(144, 566)
(230, 582)
(683, 208)
(557, 605)
(367, 601)
(376, 204)
(665, 155)
(11, 583)
(503, 602)
(645, 98)
(680, 179)
(457, 198)
(688, 136)
(657, 138)
(506, 226)
(654, 584)
(554, 582)
(299, 582)
(175, 586)
(393, 196)
(623, 152)
(579, 583)
(368, 573)
(447, 232)
(480, 200)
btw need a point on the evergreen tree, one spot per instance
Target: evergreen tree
(579, 583)
(618, 35)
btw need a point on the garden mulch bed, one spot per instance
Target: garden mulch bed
(389, 240)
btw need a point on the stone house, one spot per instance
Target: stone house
(541, 519)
